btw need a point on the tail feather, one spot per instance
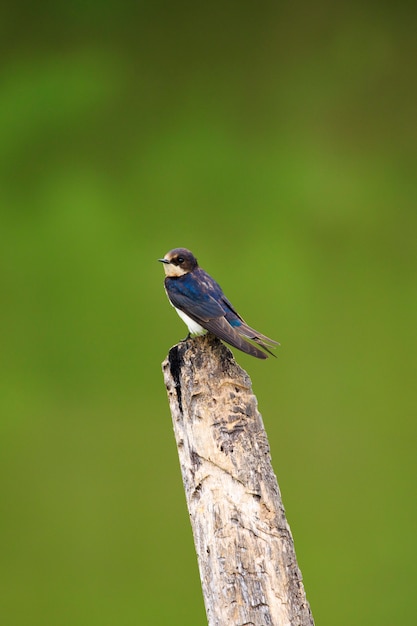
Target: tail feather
(222, 329)
(266, 342)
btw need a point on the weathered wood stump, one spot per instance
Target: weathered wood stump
(245, 550)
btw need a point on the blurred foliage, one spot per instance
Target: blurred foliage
(277, 141)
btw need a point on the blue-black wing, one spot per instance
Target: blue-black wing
(202, 299)
(197, 294)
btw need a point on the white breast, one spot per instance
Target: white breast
(193, 327)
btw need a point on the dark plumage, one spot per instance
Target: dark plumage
(197, 296)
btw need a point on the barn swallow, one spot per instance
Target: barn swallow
(202, 305)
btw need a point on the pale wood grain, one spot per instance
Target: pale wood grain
(245, 550)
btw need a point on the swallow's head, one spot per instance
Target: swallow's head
(178, 262)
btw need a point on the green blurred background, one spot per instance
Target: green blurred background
(277, 141)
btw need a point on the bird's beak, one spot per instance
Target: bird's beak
(164, 261)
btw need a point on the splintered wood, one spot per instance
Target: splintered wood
(245, 550)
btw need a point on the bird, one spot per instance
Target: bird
(201, 304)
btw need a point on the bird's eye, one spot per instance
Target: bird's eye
(180, 259)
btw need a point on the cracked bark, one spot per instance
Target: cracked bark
(245, 550)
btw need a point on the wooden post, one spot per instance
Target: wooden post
(245, 550)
